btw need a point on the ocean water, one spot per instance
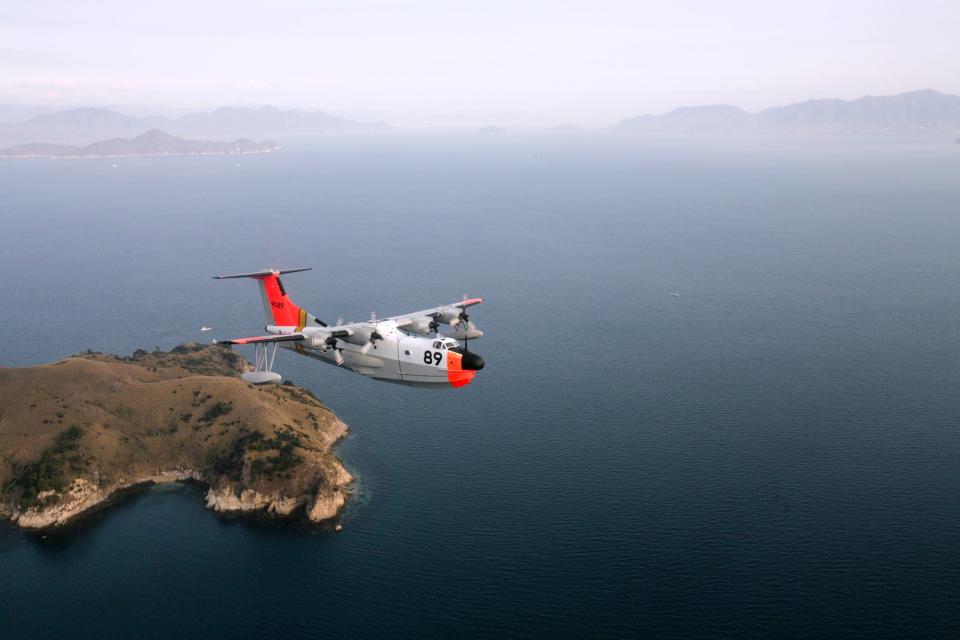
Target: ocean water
(773, 453)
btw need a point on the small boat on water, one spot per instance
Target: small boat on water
(205, 328)
(675, 294)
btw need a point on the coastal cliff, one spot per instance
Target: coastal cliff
(76, 433)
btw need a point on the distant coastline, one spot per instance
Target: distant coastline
(153, 143)
(132, 155)
(923, 111)
(83, 125)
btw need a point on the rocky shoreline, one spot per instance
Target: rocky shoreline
(84, 499)
(179, 416)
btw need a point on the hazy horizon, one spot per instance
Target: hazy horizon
(439, 65)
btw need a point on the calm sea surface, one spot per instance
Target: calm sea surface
(773, 453)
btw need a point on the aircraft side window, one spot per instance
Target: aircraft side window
(437, 345)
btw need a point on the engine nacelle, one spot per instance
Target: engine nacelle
(363, 337)
(449, 315)
(423, 325)
(464, 332)
(360, 336)
(315, 341)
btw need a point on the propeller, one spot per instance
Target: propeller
(469, 361)
(331, 343)
(375, 335)
(466, 323)
(372, 337)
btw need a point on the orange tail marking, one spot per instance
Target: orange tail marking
(285, 313)
(456, 375)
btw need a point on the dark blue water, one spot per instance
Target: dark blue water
(774, 453)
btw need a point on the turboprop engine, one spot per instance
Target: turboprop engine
(324, 343)
(464, 331)
(364, 337)
(450, 315)
(316, 341)
(423, 325)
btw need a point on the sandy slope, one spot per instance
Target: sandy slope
(75, 432)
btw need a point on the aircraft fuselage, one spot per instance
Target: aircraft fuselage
(397, 356)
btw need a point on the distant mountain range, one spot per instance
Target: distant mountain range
(151, 143)
(85, 125)
(914, 111)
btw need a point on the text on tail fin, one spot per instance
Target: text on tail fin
(279, 309)
(278, 304)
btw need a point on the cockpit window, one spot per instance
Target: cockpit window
(437, 345)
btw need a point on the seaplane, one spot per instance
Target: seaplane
(420, 349)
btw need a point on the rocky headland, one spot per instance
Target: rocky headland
(76, 433)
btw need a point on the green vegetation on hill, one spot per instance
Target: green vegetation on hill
(285, 443)
(47, 473)
(246, 448)
(217, 410)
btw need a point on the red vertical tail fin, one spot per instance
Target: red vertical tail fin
(277, 305)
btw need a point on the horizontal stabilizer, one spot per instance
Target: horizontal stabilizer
(261, 274)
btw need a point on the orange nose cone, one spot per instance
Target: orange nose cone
(457, 376)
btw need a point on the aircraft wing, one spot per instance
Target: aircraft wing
(435, 311)
(289, 337)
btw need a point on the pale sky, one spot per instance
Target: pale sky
(480, 62)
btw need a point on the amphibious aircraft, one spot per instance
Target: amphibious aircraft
(408, 349)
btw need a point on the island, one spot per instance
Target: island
(78, 433)
(151, 143)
